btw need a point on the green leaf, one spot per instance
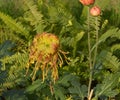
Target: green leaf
(108, 86)
(5, 48)
(109, 60)
(36, 84)
(66, 79)
(59, 92)
(115, 47)
(114, 32)
(79, 36)
(33, 15)
(14, 95)
(15, 26)
(77, 89)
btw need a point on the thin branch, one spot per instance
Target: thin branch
(96, 20)
(90, 59)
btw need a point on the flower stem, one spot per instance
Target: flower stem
(96, 20)
(90, 59)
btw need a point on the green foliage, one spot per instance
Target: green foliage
(15, 26)
(11, 64)
(11, 7)
(78, 91)
(111, 33)
(5, 48)
(107, 87)
(68, 20)
(33, 16)
(109, 61)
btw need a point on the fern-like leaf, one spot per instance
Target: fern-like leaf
(13, 25)
(107, 88)
(17, 61)
(12, 68)
(115, 32)
(9, 82)
(109, 61)
(115, 47)
(33, 15)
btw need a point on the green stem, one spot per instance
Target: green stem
(90, 60)
(62, 32)
(74, 49)
(96, 42)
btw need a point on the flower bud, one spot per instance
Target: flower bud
(95, 11)
(87, 2)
